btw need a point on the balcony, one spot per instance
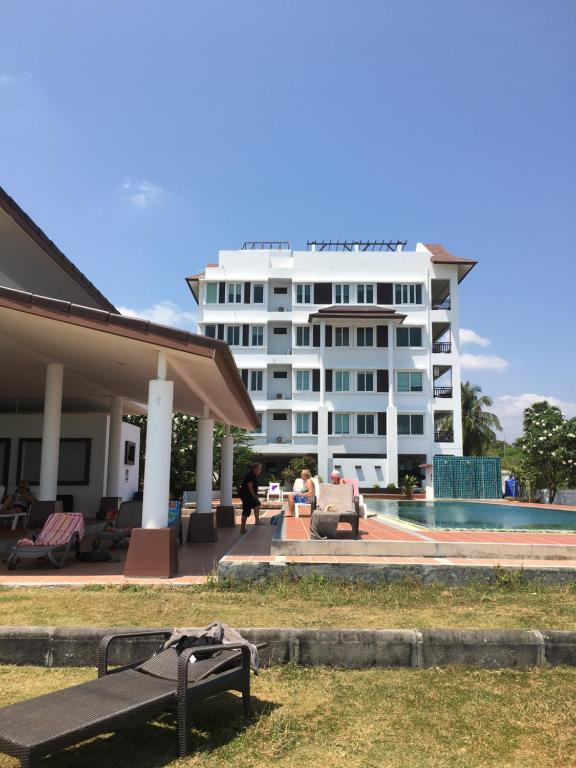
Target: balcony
(444, 304)
(442, 346)
(444, 436)
(443, 391)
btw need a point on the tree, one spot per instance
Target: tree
(549, 446)
(183, 456)
(478, 425)
(295, 467)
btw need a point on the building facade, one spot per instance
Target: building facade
(349, 350)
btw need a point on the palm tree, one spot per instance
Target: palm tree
(478, 425)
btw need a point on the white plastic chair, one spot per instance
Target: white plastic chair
(274, 492)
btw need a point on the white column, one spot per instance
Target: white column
(391, 415)
(51, 432)
(158, 450)
(205, 454)
(115, 447)
(226, 467)
(322, 437)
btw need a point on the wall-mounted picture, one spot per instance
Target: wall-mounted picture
(73, 465)
(129, 452)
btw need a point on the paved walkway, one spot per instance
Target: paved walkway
(198, 561)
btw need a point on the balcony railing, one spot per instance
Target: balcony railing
(444, 304)
(442, 346)
(442, 391)
(444, 436)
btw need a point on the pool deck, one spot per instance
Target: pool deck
(381, 543)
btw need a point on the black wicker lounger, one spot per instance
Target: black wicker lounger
(124, 696)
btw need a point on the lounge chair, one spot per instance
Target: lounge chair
(120, 530)
(336, 504)
(39, 512)
(354, 484)
(62, 532)
(108, 504)
(125, 696)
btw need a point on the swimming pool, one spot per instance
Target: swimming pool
(466, 514)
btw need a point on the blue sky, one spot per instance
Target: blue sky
(144, 136)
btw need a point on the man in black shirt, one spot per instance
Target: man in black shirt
(249, 496)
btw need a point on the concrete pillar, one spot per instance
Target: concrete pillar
(391, 415)
(158, 450)
(204, 459)
(115, 447)
(323, 447)
(51, 432)
(225, 510)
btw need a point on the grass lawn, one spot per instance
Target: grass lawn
(507, 604)
(450, 718)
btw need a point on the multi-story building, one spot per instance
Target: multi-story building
(349, 351)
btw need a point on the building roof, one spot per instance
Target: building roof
(12, 209)
(364, 311)
(441, 256)
(105, 353)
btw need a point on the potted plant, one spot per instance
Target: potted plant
(408, 485)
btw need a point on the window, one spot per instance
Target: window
(410, 424)
(302, 335)
(234, 293)
(280, 291)
(210, 331)
(279, 417)
(256, 381)
(409, 381)
(233, 335)
(341, 423)
(280, 331)
(211, 293)
(258, 430)
(365, 381)
(365, 294)
(408, 337)
(410, 293)
(302, 423)
(342, 336)
(280, 375)
(342, 381)
(258, 293)
(303, 293)
(364, 337)
(342, 294)
(365, 424)
(257, 335)
(302, 381)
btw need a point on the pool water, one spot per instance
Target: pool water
(466, 514)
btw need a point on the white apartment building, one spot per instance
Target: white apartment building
(349, 351)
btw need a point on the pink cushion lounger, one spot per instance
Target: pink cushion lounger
(61, 533)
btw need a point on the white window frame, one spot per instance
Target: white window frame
(366, 391)
(259, 285)
(407, 293)
(364, 328)
(303, 286)
(410, 328)
(251, 375)
(211, 325)
(262, 416)
(303, 328)
(341, 415)
(301, 372)
(410, 391)
(340, 288)
(365, 286)
(238, 298)
(252, 340)
(341, 328)
(341, 372)
(374, 423)
(412, 434)
(210, 283)
(303, 414)
(231, 327)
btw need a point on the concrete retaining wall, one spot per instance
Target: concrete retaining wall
(353, 649)
(451, 575)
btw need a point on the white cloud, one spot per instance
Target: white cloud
(483, 362)
(510, 411)
(7, 79)
(471, 337)
(141, 193)
(11, 78)
(164, 313)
